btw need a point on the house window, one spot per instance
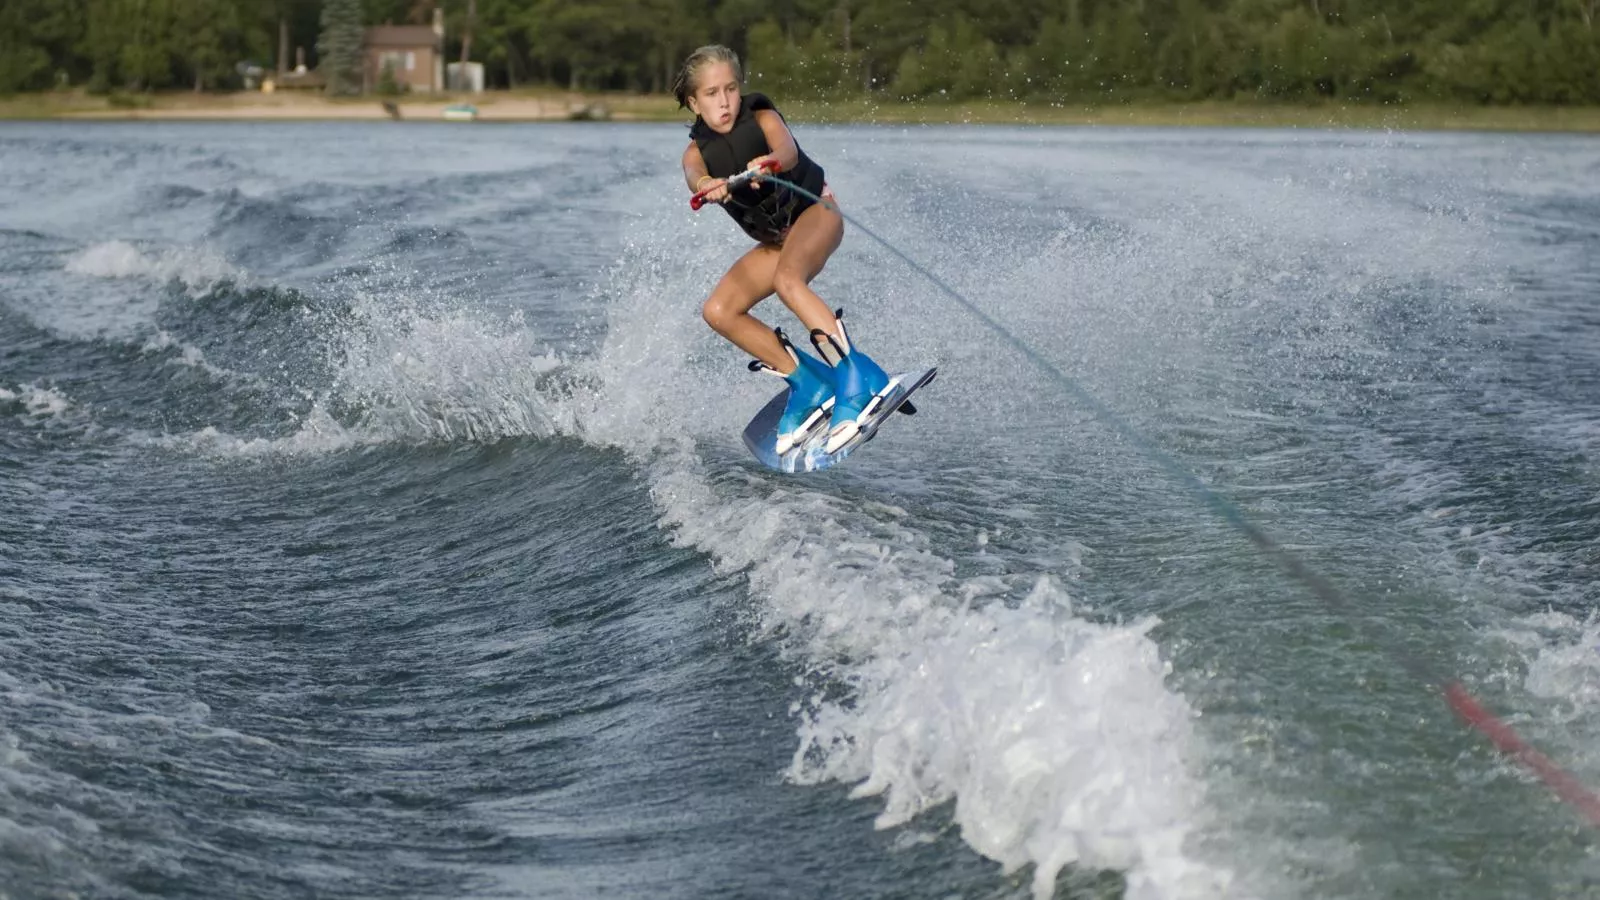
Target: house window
(411, 61)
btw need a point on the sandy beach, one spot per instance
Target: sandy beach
(304, 106)
(553, 106)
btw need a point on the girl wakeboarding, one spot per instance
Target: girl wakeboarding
(735, 138)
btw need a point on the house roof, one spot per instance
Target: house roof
(402, 36)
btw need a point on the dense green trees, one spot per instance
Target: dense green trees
(1490, 51)
(132, 44)
(339, 46)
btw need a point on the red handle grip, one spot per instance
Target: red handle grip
(699, 199)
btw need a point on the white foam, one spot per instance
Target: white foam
(196, 268)
(451, 374)
(1558, 657)
(1566, 667)
(318, 434)
(38, 402)
(409, 373)
(1057, 738)
(188, 354)
(112, 259)
(118, 288)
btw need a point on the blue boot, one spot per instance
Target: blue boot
(858, 384)
(811, 387)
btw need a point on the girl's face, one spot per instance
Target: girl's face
(716, 96)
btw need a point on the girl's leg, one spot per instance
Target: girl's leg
(810, 242)
(727, 310)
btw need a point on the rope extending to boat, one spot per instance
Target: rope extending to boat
(1505, 739)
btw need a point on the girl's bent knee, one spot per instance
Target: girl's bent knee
(788, 284)
(716, 314)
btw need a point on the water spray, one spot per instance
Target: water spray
(1461, 701)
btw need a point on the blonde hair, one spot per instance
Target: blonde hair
(683, 87)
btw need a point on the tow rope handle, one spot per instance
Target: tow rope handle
(769, 165)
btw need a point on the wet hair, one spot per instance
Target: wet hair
(683, 86)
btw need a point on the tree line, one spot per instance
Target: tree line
(1090, 51)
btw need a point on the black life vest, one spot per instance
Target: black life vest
(766, 212)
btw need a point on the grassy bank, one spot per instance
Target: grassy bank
(549, 105)
(1226, 114)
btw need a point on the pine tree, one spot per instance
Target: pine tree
(339, 46)
(21, 61)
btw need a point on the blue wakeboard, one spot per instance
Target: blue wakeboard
(761, 435)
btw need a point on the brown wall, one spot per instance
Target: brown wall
(419, 77)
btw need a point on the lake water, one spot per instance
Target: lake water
(374, 520)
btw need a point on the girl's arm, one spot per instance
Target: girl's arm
(778, 138)
(694, 172)
(694, 167)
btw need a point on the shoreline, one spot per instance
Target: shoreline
(560, 106)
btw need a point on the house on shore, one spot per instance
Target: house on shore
(413, 53)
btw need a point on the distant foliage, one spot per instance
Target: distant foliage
(1047, 51)
(142, 44)
(388, 84)
(340, 46)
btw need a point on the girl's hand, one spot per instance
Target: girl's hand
(761, 164)
(713, 189)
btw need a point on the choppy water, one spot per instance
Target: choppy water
(374, 522)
